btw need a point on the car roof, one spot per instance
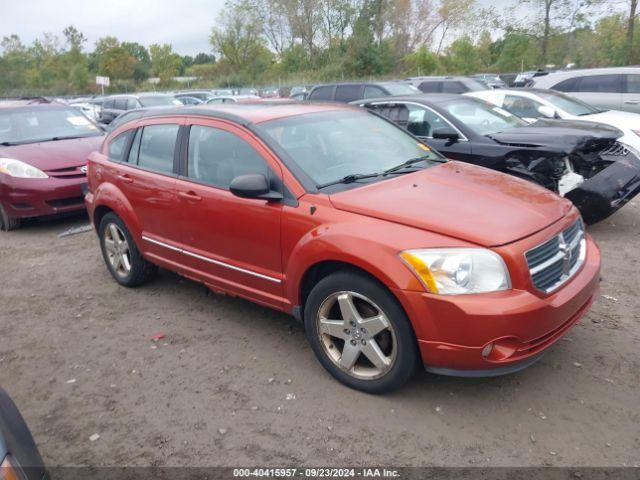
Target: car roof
(427, 98)
(248, 113)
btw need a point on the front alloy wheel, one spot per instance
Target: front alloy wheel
(359, 332)
(356, 335)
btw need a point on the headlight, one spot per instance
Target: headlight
(451, 271)
(10, 469)
(18, 169)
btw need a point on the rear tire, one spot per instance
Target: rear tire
(360, 333)
(121, 254)
(7, 224)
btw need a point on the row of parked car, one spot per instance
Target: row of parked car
(375, 223)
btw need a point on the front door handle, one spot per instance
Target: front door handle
(125, 178)
(191, 196)
(632, 102)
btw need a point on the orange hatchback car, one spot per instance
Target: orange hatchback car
(390, 254)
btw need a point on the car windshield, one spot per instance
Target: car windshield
(329, 146)
(400, 89)
(481, 117)
(571, 105)
(159, 101)
(43, 123)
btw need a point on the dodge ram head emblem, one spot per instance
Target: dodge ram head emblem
(83, 169)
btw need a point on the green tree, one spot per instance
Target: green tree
(164, 62)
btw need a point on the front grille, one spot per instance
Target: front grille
(615, 150)
(69, 172)
(66, 202)
(555, 261)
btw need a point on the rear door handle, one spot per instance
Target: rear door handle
(632, 102)
(191, 196)
(125, 178)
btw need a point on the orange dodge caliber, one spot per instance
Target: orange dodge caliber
(391, 255)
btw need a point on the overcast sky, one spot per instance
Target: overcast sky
(186, 24)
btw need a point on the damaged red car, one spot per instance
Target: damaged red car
(43, 155)
(391, 255)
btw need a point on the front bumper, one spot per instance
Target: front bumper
(24, 198)
(610, 189)
(519, 324)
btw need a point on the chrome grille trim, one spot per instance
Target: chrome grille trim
(555, 261)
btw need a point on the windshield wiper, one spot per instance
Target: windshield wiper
(70, 137)
(349, 179)
(408, 163)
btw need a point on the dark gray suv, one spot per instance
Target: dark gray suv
(115, 105)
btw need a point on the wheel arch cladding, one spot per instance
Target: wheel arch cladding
(108, 198)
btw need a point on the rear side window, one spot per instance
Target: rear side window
(600, 84)
(322, 93)
(568, 85)
(430, 87)
(118, 145)
(216, 157)
(157, 147)
(348, 93)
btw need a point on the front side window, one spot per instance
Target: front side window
(632, 83)
(44, 123)
(422, 121)
(157, 147)
(132, 104)
(121, 104)
(328, 146)
(481, 117)
(453, 87)
(373, 92)
(521, 106)
(216, 157)
(159, 101)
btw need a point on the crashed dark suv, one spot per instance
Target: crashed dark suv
(581, 161)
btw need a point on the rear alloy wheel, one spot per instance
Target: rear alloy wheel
(359, 332)
(121, 254)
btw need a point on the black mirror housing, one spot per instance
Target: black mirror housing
(446, 133)
(253, 186)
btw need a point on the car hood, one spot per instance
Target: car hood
(622, 120)
(568, 136)
(56, 154)
(459, 200)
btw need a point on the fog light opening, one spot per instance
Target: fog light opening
(486, 351)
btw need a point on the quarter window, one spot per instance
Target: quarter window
(216, 157)
(157, 147)
(118, 145)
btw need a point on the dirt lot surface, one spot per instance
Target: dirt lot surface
(235, 384)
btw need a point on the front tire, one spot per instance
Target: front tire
(121, 255)
(360, 333)
(7, 224)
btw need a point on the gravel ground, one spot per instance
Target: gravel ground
(235, 384)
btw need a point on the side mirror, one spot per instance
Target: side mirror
(253, 186)
(446, 133)
(547, 111)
